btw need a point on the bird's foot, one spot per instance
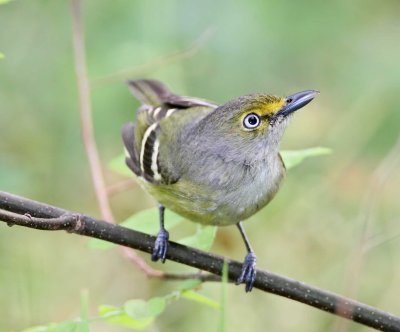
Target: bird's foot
(248, 274)
(160, 246)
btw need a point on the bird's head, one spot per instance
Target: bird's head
(254, 122)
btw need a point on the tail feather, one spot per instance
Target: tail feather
(149, 92)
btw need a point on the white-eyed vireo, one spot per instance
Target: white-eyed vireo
(216, 165)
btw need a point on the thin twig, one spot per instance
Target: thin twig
(66, 222)
(162, 61)
(141, 263)
(380, 240)
(158, 274)
(265, 281)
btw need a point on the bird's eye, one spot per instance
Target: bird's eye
(251, 121)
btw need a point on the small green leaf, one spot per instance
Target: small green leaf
(189, 284)
(3, 2)
(1, 54)
(82, 326)
(135, 314)
(203, 239)
(41, 328)
(117, 316)
(146, 221)
(138, 314)
(196, 297)
(106, 311)
(118, 165)
(292, 158)
(139, 309)
(69, 326)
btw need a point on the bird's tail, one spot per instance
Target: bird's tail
(149, 92)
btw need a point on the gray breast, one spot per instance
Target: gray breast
(238, 190)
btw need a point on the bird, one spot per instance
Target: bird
(212, 164)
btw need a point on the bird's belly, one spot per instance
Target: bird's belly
(217, 206)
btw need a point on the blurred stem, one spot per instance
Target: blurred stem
(380, 177)
(223, 300)
(121, 186)
(85, 108)
(141, 263)
(88, 136)
(266, 281)
(124, 74)
(84, 305)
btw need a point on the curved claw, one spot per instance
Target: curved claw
(248, 274)
(160, 246)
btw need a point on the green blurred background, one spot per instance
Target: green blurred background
(334, 223)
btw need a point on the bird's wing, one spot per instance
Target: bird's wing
(131, 156)
(141, 139)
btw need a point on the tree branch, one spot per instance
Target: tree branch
(13, 210)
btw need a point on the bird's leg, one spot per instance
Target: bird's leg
(161, 244)
(248, 274)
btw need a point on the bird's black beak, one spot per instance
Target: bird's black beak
(297, 101)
